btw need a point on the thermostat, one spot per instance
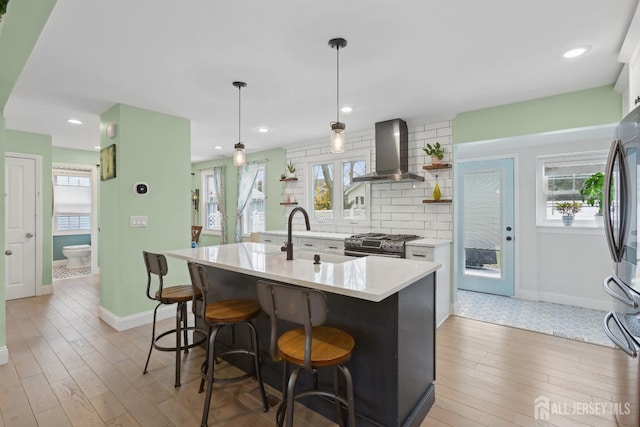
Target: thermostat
(141, 188)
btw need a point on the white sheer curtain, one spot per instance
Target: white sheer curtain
(246, 179)
(218, 185)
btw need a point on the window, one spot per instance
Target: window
(560, 180)
(212, 217)
(253, 217)
(336, 198)
(72, 201)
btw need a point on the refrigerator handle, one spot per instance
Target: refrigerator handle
(614, 242)
(630, 348)
(629, 300)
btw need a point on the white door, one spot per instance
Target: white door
(20, 219)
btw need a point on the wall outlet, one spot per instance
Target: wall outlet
(137, 221)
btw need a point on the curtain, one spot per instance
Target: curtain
(71, 200)
(218, 184)
(246, 180)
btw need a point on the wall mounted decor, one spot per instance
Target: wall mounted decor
(108, 162)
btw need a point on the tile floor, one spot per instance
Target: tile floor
(61, 272)
(581, 324)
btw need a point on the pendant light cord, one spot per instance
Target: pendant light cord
(239, 110)
(338, 84)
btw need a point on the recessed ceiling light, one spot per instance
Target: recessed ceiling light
(263, 129)
(574, 53)
(346, 109)
(97, 147)
(217, 147)
(74, 121)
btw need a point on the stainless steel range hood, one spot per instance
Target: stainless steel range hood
(392, 153)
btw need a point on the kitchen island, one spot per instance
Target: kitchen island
(386, 304)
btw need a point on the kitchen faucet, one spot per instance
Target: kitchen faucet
(289, 245)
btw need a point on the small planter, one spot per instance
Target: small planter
(435, 161)
(567, 220)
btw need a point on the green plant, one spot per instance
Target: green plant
(568, 208)
(435, 150)
(290, 167)
(3, 7)
(591, 190)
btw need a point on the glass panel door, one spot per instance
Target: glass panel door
(484, 220)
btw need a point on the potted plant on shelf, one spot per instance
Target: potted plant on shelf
(591, 193)
(436, 152)
(568, 210)
(291, 170)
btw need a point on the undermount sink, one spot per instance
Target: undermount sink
(328, 258)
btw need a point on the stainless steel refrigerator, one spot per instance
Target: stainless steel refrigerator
(621, 203)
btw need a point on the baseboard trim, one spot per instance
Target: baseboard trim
(4, 355)
(59, 262)
(134, 320)
(576, 301)
(44, 290)
(529, 295)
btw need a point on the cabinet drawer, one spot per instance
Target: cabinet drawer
(309, 244)
(333, 246)
(419, 253)
(273, 239)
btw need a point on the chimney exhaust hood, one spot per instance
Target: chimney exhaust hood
(392, 154)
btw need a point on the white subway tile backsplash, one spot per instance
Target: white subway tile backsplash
(395, 207)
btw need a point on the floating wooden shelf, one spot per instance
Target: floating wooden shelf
(437, 167)
(288, 179)
(437, 201)
(288, 203)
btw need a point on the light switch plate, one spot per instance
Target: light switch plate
(137, 221)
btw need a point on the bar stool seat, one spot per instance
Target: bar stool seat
(217, 315)
(329, 346)
(309, 348)
(156, 265)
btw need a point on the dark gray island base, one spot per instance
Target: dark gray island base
(393, 364)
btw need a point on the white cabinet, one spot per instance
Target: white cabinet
(440, 253)
(333, 246)
(309, 244)
(629, 80)
(275, 239)
(320, 244)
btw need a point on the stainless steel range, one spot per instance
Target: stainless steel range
(391, 245)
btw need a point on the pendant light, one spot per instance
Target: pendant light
(338, 141)
(238, 154)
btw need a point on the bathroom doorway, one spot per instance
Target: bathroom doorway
(74, 221)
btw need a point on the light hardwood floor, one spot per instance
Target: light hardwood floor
(68, 368)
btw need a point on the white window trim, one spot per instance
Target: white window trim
(244, 233)
(544, 224)
(202, 203)
(339, 158)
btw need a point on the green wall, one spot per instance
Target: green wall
(38, 144)
(21, 27)
(3, 305)
(275, 213)
(584, 108)
(153, 148)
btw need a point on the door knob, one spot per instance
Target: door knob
(8, 252)
(29, 235)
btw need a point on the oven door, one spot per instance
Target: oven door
(349, 252)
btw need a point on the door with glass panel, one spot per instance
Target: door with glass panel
(485, 226)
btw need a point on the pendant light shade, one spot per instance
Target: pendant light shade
(238, 154)
(338, 140)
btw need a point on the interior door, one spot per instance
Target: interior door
(20, 220)
(485, 226)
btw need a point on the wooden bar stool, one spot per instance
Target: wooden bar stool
(156, 265)
(216, 315)
(311, 347)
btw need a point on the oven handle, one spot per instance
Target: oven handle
(361, 254)
(630, 348)
(629, 300)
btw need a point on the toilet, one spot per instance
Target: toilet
(77, 255)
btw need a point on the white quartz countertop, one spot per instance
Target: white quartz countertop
(310, 234)
(370, 278)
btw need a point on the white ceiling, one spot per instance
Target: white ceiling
(414, 59)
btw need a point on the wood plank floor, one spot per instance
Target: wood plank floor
(68, 368)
